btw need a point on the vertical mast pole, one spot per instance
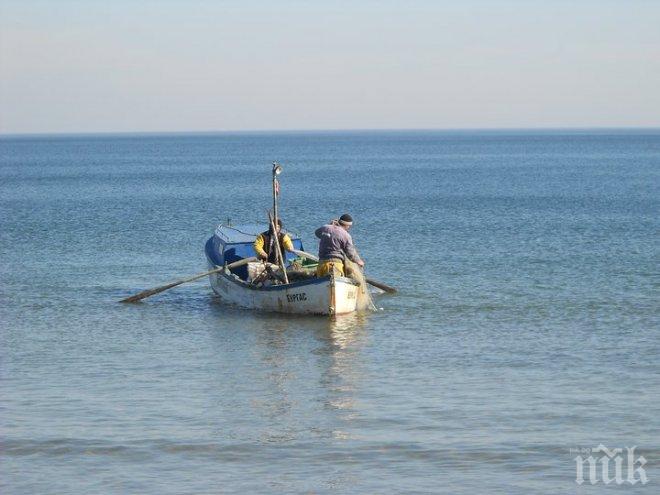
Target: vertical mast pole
(277, 170)
(276, 167)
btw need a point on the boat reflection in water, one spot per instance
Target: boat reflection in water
(309, 372)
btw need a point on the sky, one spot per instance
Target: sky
(70, 66)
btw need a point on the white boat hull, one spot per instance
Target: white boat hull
(321, 296)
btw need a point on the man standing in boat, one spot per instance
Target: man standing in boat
(335, 245)
(264, 244)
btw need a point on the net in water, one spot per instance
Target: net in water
(364, 300)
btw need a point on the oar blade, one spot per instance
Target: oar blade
(156, 290)
(149, 292)
(380, 285)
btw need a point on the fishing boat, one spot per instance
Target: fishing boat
(288, 286)
(303, 294)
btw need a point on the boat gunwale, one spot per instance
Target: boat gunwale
(301, 283)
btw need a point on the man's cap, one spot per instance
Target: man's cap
(346, 219)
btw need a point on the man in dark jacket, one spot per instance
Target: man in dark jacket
(335, 245)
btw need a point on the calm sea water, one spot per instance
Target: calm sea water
(526, 323)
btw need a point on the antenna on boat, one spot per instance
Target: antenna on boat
(274, 219)
(277, 170)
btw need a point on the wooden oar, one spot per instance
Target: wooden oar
(387, 288)
(380, 285)
(150, 292)
(303, 254)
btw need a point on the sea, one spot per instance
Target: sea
(523, 343)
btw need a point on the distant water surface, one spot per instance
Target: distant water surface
(526, 323)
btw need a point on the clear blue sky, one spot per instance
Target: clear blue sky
(166, 65)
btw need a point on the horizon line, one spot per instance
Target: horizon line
(328, 131)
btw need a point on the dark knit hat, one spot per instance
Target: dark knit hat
(346, 219)
(279, 224)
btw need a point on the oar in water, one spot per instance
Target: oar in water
(150, 292)
(380, 285)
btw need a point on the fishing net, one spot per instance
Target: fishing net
(364, 300)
